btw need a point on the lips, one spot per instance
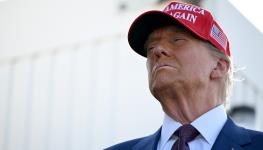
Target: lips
(162, 65)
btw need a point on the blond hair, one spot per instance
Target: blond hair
(228, 84)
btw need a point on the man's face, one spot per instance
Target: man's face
(175, 58)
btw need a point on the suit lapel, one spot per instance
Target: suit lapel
(148, 143)
(231, 137)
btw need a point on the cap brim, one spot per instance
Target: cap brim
(144, 25)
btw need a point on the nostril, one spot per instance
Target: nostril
(159, 50)
(160, 53)
(164, 52)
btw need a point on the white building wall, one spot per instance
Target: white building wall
(246, 47)
(68, 79)
(76, 99)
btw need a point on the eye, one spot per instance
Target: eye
(148, 48)
(177, 39)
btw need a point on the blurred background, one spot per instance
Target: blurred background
(70, 81)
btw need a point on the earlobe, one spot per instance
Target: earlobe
(220, 69)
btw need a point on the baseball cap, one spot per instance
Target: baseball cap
(197, 20)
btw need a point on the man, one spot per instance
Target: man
(189, 70)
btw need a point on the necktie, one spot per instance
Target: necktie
(185, 133)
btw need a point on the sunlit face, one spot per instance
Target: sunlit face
(175, 58)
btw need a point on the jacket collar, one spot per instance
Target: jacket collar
(149, 142)
(231, 137)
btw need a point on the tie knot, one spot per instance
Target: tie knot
(186, 133)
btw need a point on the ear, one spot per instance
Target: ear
(220, 69)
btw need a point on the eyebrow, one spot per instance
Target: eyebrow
(151, 37)
(177, 29)
(149, 40)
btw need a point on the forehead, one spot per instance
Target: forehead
(168, 31)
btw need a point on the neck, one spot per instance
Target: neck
(186, 105)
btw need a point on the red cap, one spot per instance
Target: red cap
(196, 19)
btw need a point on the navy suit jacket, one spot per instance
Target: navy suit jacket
(231, 137)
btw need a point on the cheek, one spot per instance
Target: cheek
(147, 65)
(149, 68)
(193, 67)
(198, 70)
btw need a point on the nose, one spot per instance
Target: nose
(159, 50)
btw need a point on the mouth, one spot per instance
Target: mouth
(162, 66)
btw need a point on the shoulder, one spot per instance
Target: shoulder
(254, 134)
(248, 139)
(147, 142)
(256, 138)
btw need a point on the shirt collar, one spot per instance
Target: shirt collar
(168, 128)
(209, 125)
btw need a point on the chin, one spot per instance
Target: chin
(159, 85)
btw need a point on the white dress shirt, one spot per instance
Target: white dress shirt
(209, 125)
